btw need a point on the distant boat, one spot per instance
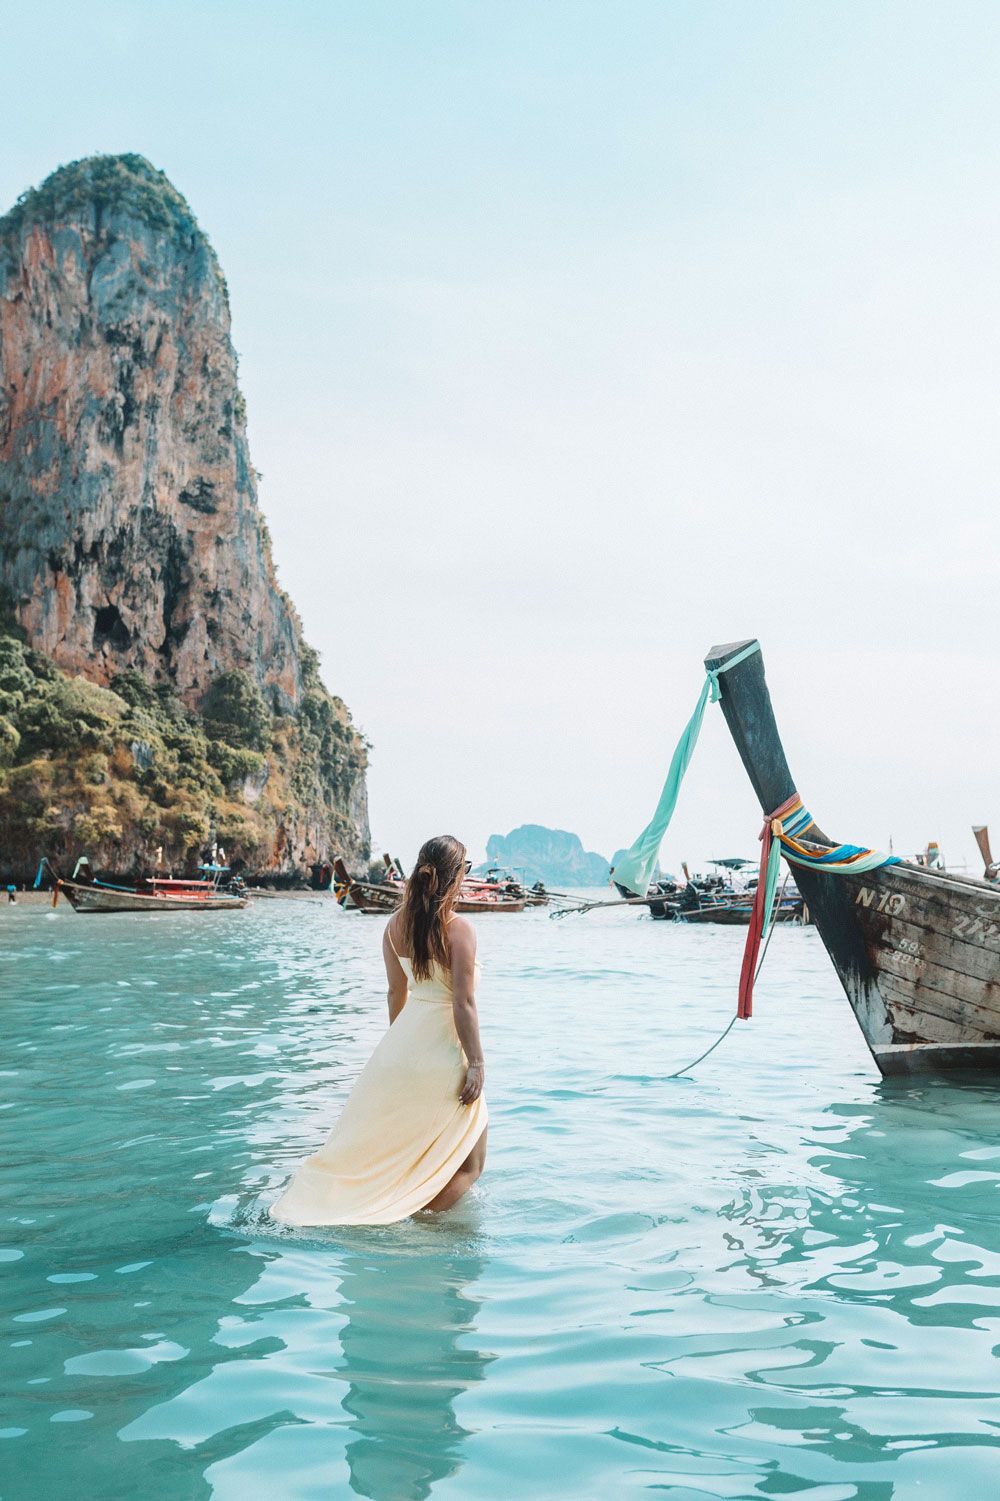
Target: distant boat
(917, 950)
(156, 894)
(714, 902)
(385, 896)
(735, 912)
(477, 900)
(355, 895)
(502, 889)
(726, 899)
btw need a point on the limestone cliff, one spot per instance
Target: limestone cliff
(131, 543)
(550, 855)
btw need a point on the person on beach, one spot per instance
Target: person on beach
(412, 1134)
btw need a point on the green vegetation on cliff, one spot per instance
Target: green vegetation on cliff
(127, 182)
(116, 773)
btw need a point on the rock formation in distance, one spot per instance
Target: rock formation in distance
(132, 549)
(549, 855)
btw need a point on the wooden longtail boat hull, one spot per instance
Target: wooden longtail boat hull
(917, 951)
(87, 898)
(735, 916)
(363, 897)
(372, 896)
(477, 904)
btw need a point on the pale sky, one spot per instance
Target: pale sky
(576, 338)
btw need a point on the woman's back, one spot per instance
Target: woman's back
(412, 1132)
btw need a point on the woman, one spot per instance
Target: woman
(412, 1134)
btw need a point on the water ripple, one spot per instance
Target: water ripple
(777, 1275)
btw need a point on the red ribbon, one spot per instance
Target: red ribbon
(758, 916)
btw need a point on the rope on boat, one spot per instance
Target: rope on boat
(793, 819)
(736, 1015)
(777, 838)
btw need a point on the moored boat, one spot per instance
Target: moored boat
(478, 900)
(499, 891)
(735, 911)
(355, 895)
(155, 894)
(917, 950)
(385, 896)
(723, 899)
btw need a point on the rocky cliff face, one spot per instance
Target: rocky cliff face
(131, 544)
(128, 508)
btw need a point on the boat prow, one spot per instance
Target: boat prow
(917, 950)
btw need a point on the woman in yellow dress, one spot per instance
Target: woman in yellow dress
(412, 1134)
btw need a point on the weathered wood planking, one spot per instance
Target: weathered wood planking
(917, 951)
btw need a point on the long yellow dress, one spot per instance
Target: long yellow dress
(403, 1133)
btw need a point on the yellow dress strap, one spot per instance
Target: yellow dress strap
(388, 935)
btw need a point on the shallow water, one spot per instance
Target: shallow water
(778, 1276)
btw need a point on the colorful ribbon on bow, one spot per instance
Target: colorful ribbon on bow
(781, 836)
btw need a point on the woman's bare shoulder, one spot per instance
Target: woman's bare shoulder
(461, 935)
(391, 933)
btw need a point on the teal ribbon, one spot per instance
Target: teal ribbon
(635, 869)
(771, 886)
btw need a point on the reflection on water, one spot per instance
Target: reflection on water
(780, 1276)
(368, 1344)
(409, 1350)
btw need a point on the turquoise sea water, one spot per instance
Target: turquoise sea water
(778, 1277)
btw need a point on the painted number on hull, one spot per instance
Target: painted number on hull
(971, 926)
(889, 901)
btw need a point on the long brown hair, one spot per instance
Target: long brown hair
(428, 901)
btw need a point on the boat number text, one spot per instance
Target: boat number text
(971, 926)
(889, 901)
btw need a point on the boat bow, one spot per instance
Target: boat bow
(918, 953)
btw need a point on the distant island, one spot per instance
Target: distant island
(550, 855)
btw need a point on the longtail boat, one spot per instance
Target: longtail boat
(735, 912)
(385, 896)
(365, 896)
(479, 900)
(152, 895)
(714, 899)
(917, 950)
(499, 891)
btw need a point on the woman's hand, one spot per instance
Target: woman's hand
(473, 1086)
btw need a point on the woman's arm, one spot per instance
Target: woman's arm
(462, 936)
(396, 976)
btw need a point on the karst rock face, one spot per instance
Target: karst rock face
(129, 524)
(132, 548)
